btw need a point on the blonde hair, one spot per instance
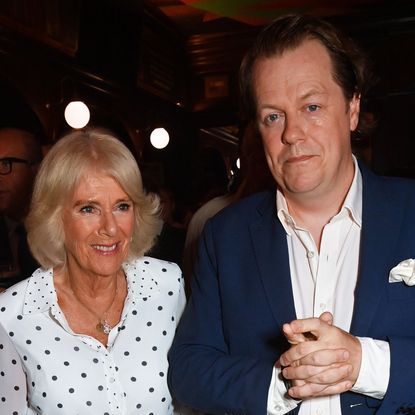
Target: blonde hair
(60, 172)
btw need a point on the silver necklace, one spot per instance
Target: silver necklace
(103, 324)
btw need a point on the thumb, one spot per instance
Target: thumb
(327, 317)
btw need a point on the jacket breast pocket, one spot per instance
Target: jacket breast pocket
(399, 291)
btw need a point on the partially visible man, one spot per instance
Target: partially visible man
(254, 176)
(293, 308)
(20, 155)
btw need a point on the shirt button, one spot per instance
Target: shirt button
(112, 380)
(310, 254)
(278, 408)
(322, 307)
(319, 411)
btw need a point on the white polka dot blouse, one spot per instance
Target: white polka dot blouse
(46, 368)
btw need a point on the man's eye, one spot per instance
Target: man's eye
(269, 119)
(86, 209)
(312, 107)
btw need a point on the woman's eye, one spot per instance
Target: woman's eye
(124, 206)
(312, 107)
(87, 209)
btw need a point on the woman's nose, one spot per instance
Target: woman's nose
(108, 224)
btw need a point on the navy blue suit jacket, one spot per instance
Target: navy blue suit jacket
(230, 334)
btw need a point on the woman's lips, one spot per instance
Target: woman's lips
(105, 249)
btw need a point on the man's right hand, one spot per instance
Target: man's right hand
(324, 360)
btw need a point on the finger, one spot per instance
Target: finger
(318, 374)
(331, 375)
(327, 317)
(311, 390)
(323, 357)
(315, 326)
(298, 382)
(313, 353)
(293, 338)
(337, 388)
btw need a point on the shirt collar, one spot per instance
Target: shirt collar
(352, 204)
(40, 292)
(41, 295)
(354, 198)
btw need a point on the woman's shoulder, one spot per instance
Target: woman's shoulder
(162, 273)
(13, 295)
(13, 299)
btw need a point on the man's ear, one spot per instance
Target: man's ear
(354, 111)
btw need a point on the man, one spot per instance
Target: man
(292, 310)
(20, 154)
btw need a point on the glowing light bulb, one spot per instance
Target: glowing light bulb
(159, 138)
(77, 114)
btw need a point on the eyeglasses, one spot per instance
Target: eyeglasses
(6, 164)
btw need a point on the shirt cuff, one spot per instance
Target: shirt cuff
(279, 402)
(373, 377)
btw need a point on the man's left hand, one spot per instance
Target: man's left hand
(324, 360)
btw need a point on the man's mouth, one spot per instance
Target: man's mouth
(298, 159)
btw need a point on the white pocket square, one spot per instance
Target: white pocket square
(404, 271)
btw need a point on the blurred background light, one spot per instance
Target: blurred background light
(77, 114)
(159, 138)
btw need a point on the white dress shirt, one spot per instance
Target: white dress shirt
(326, 281)
(61, 372)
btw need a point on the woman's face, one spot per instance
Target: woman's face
(98, 224)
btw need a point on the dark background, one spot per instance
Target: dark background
(145, 64)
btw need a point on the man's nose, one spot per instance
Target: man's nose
(293, 131)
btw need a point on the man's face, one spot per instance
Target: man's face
(305, 122)
(15, 187)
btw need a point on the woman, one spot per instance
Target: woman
(88, 333)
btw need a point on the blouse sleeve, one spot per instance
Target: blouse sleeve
(13, 391)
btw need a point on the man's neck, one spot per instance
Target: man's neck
(314, 212)
(325, 201)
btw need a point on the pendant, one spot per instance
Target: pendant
(103, 326)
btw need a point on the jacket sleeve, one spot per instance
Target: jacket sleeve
(203, 374)
(400, 395)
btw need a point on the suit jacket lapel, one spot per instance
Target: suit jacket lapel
(271, 252)
(380, 220)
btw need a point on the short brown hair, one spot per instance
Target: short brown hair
(59, 174)
(350, 65)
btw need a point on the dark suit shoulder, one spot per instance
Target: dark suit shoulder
(391, 189)
(248, 207)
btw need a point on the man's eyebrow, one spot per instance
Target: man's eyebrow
(268, 106)
(312, 93)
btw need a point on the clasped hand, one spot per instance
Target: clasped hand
(323, 359)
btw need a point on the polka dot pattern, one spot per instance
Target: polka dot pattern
(44, 362)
